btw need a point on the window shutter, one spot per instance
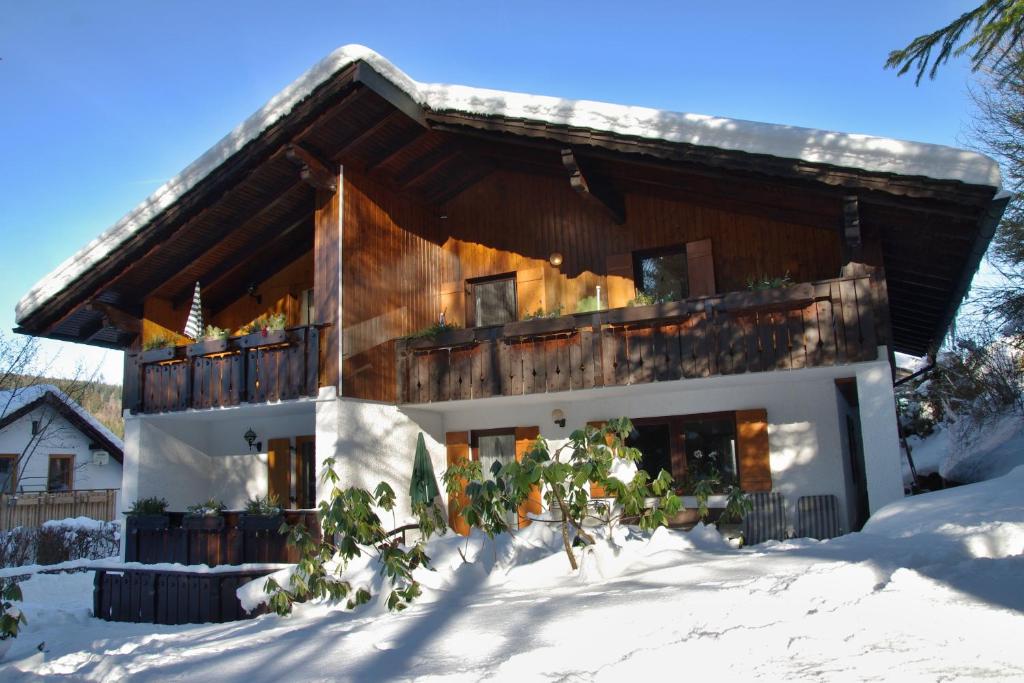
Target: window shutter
(700, 266)
(279, 465)
(620, 280)
(752, 443)
(524, 437)
(457, 444)
(453, 303)
(530, 291)
(597, 491)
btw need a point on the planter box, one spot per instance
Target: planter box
(643, 314)
(203, 522)
(782, 298)
(147, 522)
(251, 341)
(540, 326)
(447, 339)
(158, 355)
(206, 348)
(260, 522)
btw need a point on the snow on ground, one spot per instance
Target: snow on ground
(967, 452)
(931, 589)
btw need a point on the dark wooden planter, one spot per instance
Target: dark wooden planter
(648, 314)
(272, 337)
(206, 348)
(260, 522)
(203, 522)
(769, 299)
(148, 522)
(158, 355)
(445, 339)
(540, 327)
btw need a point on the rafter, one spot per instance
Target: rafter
(593, 189)
(312, 170)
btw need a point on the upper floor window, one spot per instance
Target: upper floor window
(493, 300)
(8, 473)
(662, 273)
(60, 473)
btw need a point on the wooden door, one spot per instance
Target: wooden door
(279, 464)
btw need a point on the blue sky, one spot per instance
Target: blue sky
(104, 101)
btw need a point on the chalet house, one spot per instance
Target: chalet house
(738, 289)
(48, 442)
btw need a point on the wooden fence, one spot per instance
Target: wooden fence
(232, 544)
(170, 597)
(32, 509)
(811, 324)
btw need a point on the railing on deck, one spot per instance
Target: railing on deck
(232, 544)
(252, 369)
(32, 509)
(811, 324)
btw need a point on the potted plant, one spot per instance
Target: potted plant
(157, 349)
(737, 506)
(262, 514)
(148, 513)
(264, 331)
(213, 340)
(11, 617)
(207, 516)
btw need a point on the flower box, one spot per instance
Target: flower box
(260, 522)
(268, 338)
(158, 355)
(206, 348)
(446, 339)
(147, 522)
(540, 327)
(203, 522)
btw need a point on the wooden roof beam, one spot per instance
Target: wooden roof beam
(593, 189)
(116, 318)
(312, 171)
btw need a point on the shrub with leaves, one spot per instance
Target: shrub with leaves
(158, 342)
(352, 527)
(565, 475)
(210, 508)
(148, 506)
(588, 304)
(11, 618)
(267, 506)
(214, 333)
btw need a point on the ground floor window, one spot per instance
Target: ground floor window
(690, 447)
(495, 447)
(59, 477)
(8, 473)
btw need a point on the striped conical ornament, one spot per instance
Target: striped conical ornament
(194, 326)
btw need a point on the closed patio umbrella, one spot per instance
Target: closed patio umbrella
(194, 325)
(423, 487)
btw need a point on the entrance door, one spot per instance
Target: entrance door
(305, 472)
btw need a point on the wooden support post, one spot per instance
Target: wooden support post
(327, 280)
(591, 188)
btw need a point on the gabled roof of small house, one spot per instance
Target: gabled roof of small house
(18, 403)
(62, 305)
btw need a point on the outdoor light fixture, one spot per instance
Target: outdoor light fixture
(250, 438)
(558, 417)
(555, 259)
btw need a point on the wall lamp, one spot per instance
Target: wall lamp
(558, 417)
(250, 438)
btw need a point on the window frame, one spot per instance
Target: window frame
(70, 458)
(677, 438)
(13, 457)
(641, 254)
(471, 284)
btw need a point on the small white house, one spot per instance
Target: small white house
(50, 443)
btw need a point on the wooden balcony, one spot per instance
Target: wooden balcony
(256, 368)
(823, 323)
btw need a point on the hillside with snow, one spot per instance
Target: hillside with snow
(931, 589)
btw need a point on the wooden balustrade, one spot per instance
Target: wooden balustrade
(811, 324)
(256, 368)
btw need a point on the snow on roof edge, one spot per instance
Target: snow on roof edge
(850, 150)
(30, 394)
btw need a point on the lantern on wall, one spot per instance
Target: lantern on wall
(250, 438)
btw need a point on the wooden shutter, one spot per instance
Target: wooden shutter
(596, 490)
(524, 437)
(620, 280)
(452, 302)
(457, 444)
(700, 268)
(278, 465)
(530, 295)
(305, 473)
(752, 443)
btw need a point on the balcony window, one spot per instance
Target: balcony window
(493, 300)
(662, 273)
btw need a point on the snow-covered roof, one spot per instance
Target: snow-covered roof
(12, 401)
(863, 152)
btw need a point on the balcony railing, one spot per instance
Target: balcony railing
(257, 368)
(811, 324)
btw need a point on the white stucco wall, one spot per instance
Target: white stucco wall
(59, 437)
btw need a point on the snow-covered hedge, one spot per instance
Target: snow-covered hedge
(59, 541)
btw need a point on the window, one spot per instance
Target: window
(662, 273)
(8, 473)
(689, 447)
(491, 447)
(35, 427)
(493, 300)
(60, 473)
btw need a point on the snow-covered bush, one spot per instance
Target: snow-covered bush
(591, 457)
(59, 541)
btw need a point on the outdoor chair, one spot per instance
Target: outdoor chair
(766, 520)
(817, 517)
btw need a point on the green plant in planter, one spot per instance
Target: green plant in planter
(148, 506)
(276, 322)
(211, 508)
(214, 333)
(158, 342)
(763, 282)
(267, 506)
(588, 304)
(433, 330)
(11, 618)
(737, 505)
(539, 314)
(702, 491)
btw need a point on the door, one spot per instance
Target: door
(305, 472)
